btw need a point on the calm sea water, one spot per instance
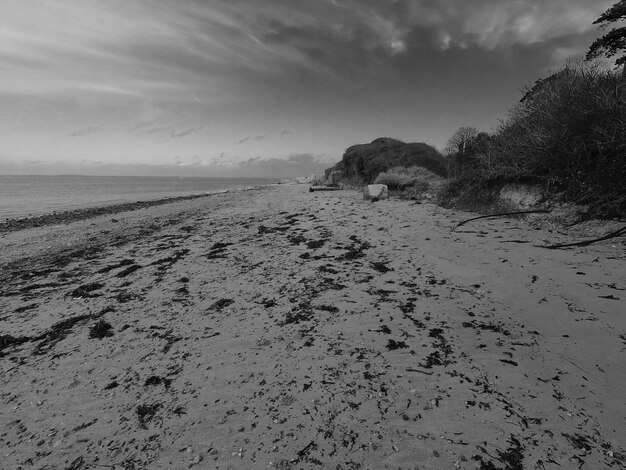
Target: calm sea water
(22, 196)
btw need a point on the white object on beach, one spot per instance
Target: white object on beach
(375, 191)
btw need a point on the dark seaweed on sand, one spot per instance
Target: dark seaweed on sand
(146, 412)
(156, 380)
(299, 313)
(328, 308)
(296, 239)
(56, 333)
(315, 244)
(433, 359)
(221, 304)
(26, 308)
(120, 264)
(355, 251)
(512, 458)
(487, 327)
(381, 267)
(129, 270)
(167, 262)
(59, 331)
(218, 250)
(8, 340)
(112, 385)
(101, 329)
(263, 229)
(393, 345)
(85, 291)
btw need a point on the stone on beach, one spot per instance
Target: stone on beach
(375, 191)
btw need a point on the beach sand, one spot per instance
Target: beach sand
(277, 328)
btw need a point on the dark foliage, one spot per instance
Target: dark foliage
(613, 42)
(146, 412)
(364, 162)
(101, 329)
(568, 135)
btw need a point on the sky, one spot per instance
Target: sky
(263, 88)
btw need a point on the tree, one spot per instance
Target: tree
(613, 42)
(457, 144)
(464, 149)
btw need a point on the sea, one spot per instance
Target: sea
(30, 195)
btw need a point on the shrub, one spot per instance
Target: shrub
(398, 178)
(366, 161)
(395, 178)
(568, 133)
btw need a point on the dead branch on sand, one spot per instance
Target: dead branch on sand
(617, 233)
(504, 214)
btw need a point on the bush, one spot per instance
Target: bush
(568, 134)
(365, 162)
(398, 178)
(395, 178)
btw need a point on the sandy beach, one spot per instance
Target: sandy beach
(281, 329)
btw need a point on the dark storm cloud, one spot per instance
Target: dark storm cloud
(208, 44)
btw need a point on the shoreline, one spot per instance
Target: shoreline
(67, 216)
(285, 329)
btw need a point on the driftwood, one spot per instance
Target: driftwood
(617, 233)
(380, 194)
(324, 188)
(499, 215)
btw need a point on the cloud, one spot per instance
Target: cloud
(179, 165)
(199, 161)
(171, 132)
(86, 130)
(340, 69)
(301, 164)
(251, 137)
(185, 132)
(216, 46)
(159, 130)
(220, 160)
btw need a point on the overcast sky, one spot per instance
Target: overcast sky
(212, 87)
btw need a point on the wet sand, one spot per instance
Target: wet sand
(277, 328)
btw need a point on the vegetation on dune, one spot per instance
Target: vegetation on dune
(365, 162)
(568, 134)
(398, 178)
